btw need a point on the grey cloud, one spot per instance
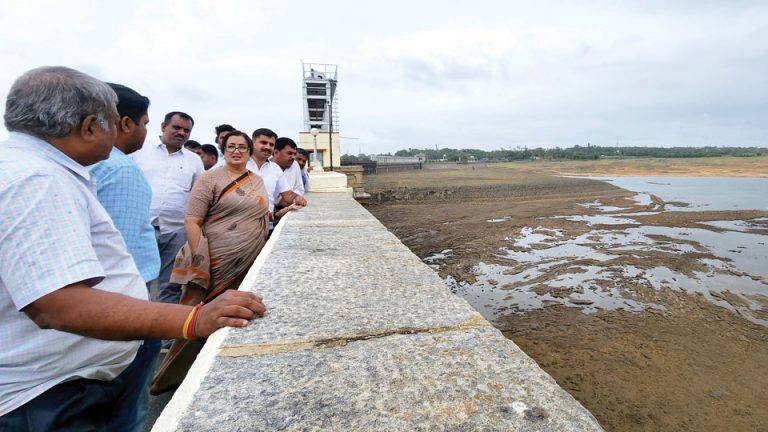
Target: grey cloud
(446, 72)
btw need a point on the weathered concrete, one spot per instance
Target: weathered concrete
(328, 181)
(354, 175)
(361, 335)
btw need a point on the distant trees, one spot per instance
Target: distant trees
(352, 158)
(577, 152)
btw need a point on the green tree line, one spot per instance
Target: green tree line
(577, 152)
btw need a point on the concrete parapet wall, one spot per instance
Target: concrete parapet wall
(361, 335)
(354, 175)
(328, 181)
(387, 168)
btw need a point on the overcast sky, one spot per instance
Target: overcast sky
(461, 74)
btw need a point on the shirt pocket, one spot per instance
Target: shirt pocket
(183, 178)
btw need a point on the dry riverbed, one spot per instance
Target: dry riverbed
(663, 359)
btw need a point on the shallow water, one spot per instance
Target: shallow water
(727, 265)
(701, 193)
(434, 260)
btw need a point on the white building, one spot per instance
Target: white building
(321, 111)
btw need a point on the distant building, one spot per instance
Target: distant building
(384, 160)
(321, 111)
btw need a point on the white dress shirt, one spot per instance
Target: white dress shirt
(171, 177)
(273, 178)
(220, 161)
(293, 178)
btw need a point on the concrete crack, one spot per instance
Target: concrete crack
(475, 321)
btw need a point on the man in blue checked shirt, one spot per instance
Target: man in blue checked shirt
(72, 300)
(126, 195)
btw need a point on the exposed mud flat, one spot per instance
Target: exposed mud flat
(650, 167)
(626, 305)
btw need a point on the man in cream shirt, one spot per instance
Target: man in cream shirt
(171, 171)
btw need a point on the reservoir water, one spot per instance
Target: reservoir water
(701, 193)
(613, 256)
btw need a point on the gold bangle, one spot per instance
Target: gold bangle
(187, 322)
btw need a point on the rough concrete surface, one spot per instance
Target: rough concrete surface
(361, 335)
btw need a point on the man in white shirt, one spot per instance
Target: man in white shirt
(285, 157)
(221, 131)
(171, 171)
(279, 190)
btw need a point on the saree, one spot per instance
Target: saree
(235, 221)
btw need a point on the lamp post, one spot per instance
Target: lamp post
(332, 88)
(316, 166)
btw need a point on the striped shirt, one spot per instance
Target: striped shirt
(125, 193)
(53, 233)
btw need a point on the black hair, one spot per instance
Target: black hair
(183, 115)
(130, 103)
(248, 141)
(301, 151)
(192, 144)
(284, 142)
(224, 128)
(210, 149)
(264, 131)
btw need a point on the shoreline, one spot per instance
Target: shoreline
(650, 167)
(596, 176)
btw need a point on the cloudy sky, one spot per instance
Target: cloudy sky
(462, 74)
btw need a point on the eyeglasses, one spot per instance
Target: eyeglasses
(241, 149)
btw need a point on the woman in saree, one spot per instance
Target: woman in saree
(226, 222)
(227, 212)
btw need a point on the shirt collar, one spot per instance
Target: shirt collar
(160, 145)
(26, 141)
(275, 163)
(116, 151)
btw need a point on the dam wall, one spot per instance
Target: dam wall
(361, 335)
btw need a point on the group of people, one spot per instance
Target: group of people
(91, 217)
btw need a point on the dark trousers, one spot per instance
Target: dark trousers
(78, 405)
(169, 244)
(133, 405)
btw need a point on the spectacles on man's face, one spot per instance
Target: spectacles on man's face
(234, 148)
